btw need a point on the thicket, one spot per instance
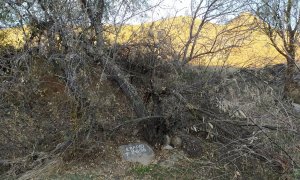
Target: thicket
(68, 91)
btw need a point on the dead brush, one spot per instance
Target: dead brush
(243, 115)
(257, 106)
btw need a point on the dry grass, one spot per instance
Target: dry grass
(247, 130)
(234, 96)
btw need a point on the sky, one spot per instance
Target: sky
(167, 8)
(170, 7)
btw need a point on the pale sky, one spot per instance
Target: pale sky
(167, 8)
(170, 7)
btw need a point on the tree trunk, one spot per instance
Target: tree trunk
(96, 19)
(112, 69)
(128, 89)
(289, 85)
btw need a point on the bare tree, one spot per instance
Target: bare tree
(95, 14)
(96, 11)
(203, 13)
(280, 21)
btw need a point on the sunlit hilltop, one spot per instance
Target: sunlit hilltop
(237, 43)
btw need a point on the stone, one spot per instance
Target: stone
(296, 107)
(167, 140)
(167, 147)
(176, 142)
(137, 152)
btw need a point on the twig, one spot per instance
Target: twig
(190, 107)
(61, 147)
(273, 128)
(6, 162)
(273, 142)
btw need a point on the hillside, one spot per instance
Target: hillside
(12, 36)
(254, 48)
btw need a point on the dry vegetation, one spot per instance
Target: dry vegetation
(70, 96)
(252, 47)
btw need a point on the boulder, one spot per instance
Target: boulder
(137, 152)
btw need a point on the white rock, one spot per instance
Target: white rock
(137, 152)
(296, 107)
